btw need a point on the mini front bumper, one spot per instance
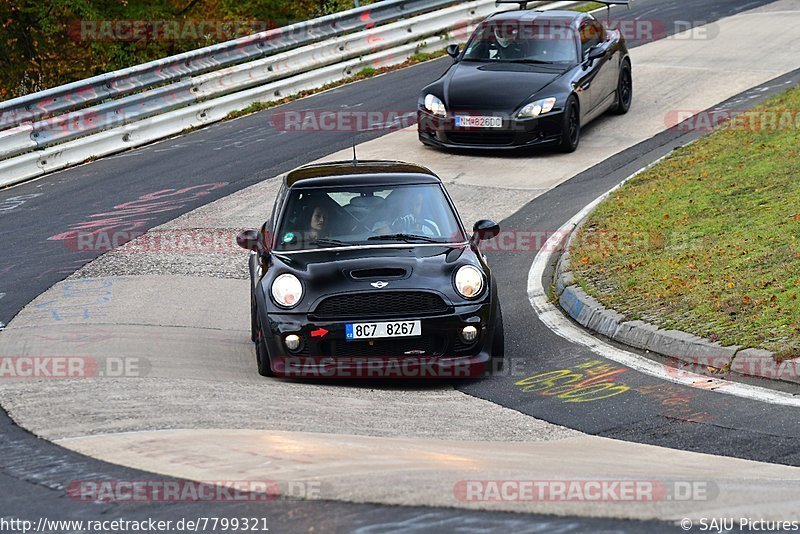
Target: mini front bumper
(515, 134)
(439, 352)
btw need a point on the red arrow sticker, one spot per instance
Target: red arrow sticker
(320, 332)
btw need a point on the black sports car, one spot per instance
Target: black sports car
(364, 269)
(527, 78)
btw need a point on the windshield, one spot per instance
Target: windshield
(356, 215)
(514, 41)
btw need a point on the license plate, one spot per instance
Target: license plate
(379, 330)
(479, 122)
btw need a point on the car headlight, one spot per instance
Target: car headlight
(287, 290)
(435, 106)
(469, 281)
(540, 107)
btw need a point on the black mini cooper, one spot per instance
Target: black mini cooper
(364, 269)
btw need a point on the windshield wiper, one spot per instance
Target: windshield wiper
(530, 61)
(326, 242)
(403, 237)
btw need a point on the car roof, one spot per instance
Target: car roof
(568, 18)
(370, 172)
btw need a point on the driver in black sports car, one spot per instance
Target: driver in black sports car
(503, 44)
(509, 46)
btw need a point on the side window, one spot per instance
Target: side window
(591, 35)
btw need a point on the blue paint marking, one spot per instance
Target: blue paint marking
(79, 298)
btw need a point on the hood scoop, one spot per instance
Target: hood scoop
(379, 273)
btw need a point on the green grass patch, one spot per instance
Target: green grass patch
(708, 241)
(590, 6)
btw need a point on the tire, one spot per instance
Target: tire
(498, 342)
(624, 89)
(571, 127)
(253, 319)
(262, 355)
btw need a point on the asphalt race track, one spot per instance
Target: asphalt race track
(231, 152)
(200, 167)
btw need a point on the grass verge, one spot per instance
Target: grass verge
(708, 241)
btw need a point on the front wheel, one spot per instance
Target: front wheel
(253, 319)
(624, 90)
(262, 356)
(571, 128)
(498, 342)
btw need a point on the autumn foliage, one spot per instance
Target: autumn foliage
(42, 44)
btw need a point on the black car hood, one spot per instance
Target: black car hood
(415, 267)
(476, 86)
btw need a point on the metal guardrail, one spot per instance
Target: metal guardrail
(125, 81)
(35, 148)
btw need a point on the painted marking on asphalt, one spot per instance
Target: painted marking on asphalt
(81, 299)
(555, 319)
(17, 201)
(586, 382)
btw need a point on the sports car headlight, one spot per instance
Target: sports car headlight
(540, 107)
(435, 106)
(469, 281)
(287, 290)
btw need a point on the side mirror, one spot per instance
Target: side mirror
(453, 51)
(248, 240)
(596, 52)
(484, 230)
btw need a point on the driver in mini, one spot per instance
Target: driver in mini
(413, 221)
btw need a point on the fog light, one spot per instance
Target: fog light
(292, 342)
(469, 333)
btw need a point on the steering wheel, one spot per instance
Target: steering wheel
(427, 224)
(406, 219)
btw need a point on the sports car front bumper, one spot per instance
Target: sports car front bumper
(439, 352)
(515, 134)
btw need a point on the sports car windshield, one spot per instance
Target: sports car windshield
(522, 42)
(358, 215)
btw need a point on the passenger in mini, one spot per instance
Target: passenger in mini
(318, 224)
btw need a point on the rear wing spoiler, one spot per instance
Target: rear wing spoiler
(523, 4)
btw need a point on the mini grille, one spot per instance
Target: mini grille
(380, 304)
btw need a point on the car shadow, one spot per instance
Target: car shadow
(390, 384)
